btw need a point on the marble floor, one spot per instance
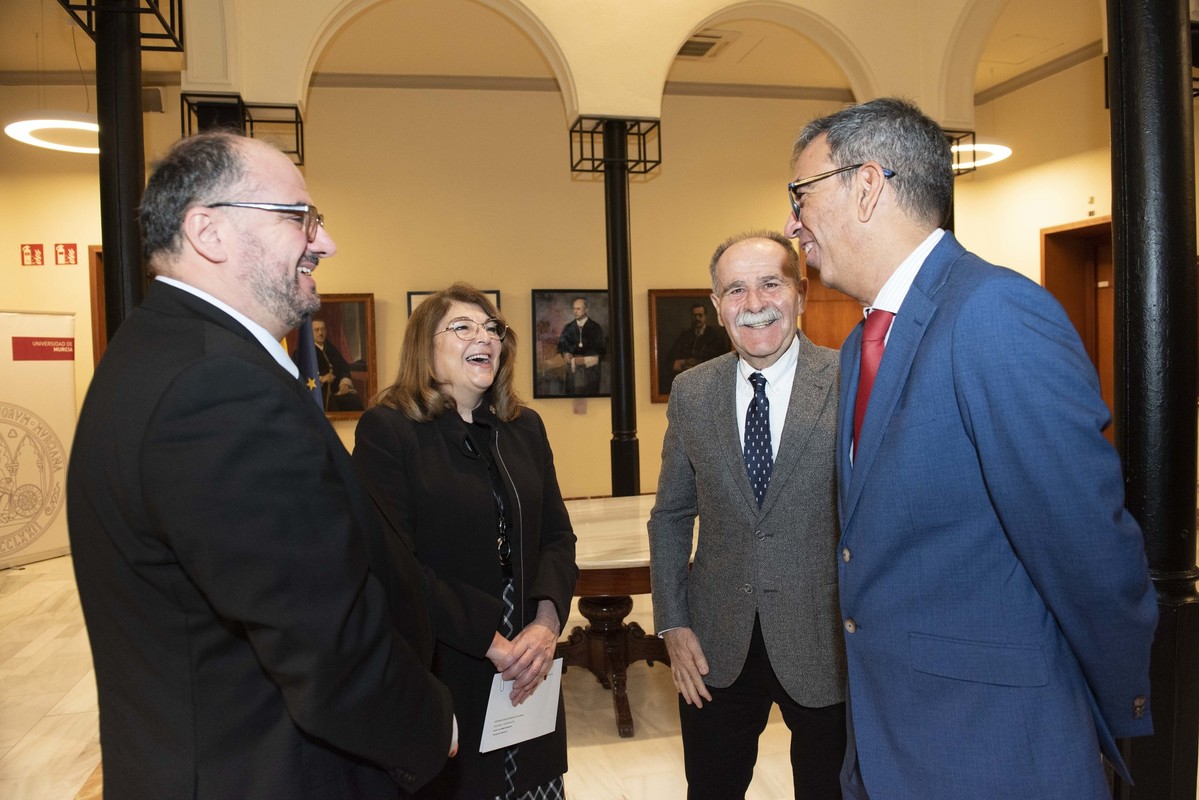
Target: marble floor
(49, 744)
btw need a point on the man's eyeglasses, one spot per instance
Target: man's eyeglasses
(467, 329)
(794, 187)
(312, 220)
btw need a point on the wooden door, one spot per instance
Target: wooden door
(95, 260)
(1076, 267)
(830, 315)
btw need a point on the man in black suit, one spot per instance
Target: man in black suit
(582, 346)
(254, 636)
(700, 342)
(337, 386)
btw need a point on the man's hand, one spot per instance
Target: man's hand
(687, 665)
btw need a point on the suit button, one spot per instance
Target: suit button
(760, 534)
(747, 589)
(845, 554)
(1138, 707)
(850, 626)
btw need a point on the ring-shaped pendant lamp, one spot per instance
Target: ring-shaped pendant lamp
(58, 130)
(984, 154)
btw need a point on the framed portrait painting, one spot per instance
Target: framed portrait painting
(344, 333)
(416, 298)
(570, 343)
(684, 331)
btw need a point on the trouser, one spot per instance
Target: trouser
(720, 740)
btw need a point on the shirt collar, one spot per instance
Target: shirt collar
(272, 345)
(785, 364)
(891, 296)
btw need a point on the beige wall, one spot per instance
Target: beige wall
(1060, 172)
(48, 197)
(423, 187)
(476, 186)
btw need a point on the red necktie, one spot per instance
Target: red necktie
(873, 342)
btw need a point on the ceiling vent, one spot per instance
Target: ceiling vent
(708, 43)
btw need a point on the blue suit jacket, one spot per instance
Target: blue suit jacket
(1001, 607)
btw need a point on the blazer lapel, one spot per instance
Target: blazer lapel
(907, 330)
(851, 363)
(725, 438)
(165, 298)
(810, 391)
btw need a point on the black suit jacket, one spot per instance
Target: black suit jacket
(585, 341)
(238, 596)
(433, 489)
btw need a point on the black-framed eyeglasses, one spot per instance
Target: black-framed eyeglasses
(312, 219)
(467, 329)
(794, 187)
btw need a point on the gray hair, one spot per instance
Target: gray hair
(790, 267)
(902, 138)
(196, 170)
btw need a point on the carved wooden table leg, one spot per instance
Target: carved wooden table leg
(607, 646)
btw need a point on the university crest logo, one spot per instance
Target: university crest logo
(32, 474)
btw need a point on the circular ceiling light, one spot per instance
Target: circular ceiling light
(984, 154)
(65, 131)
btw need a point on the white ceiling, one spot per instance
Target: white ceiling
(464, 38)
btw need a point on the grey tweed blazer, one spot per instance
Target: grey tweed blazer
(779, 561)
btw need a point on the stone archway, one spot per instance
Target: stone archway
(960, 64)
(343, 11)
(839, 46)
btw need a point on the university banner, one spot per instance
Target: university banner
(37, 424)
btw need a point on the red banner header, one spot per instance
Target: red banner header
(38, 348)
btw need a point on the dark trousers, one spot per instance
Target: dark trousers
(720, 740)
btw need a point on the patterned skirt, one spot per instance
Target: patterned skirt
(551, 790)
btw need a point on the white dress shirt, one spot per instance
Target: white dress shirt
(779, 377)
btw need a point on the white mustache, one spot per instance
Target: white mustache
(758, 317)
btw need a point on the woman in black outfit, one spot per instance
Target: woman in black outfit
(463, 474)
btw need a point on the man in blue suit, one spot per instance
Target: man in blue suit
(995, 595)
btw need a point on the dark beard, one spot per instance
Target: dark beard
(279, 295)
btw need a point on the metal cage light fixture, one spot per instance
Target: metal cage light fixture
(165, 34)
(281, 125)
(587, 145)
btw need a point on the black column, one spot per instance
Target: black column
(122, 155)
(626, 461)
(1153, 231)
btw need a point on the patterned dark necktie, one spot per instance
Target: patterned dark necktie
(758, 452)
(874, 338)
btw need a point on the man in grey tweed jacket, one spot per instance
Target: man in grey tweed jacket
(754, 620)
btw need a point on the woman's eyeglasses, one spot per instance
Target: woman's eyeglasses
(467, 329)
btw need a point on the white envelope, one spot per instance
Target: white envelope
(505, 724)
